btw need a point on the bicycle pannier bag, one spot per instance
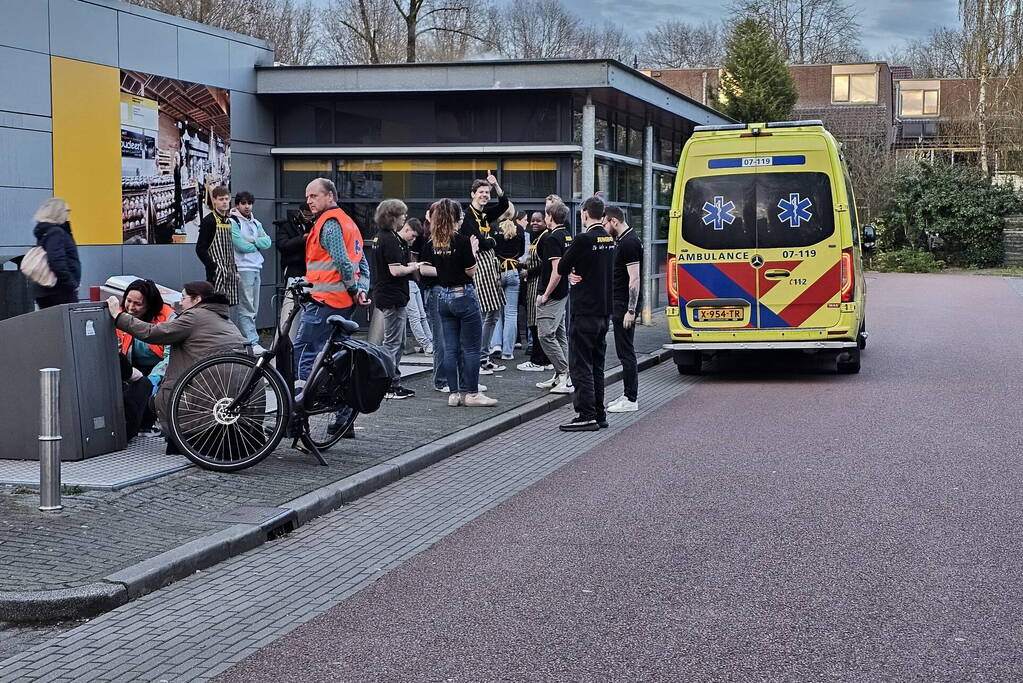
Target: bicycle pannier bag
(37, 269)
(372, 368)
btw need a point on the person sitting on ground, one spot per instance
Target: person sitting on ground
(202, 329)
(142, 363)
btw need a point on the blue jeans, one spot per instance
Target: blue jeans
(248, 304)
(313, 334)
(433, 311)
(508, 326)
(463, 329)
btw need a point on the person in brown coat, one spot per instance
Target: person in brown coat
(202, 329)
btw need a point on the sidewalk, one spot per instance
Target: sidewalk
(80, 550)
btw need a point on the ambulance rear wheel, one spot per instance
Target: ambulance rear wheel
(848, 361)
(689, 362)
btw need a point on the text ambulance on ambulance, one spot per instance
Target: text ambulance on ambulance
(764, 246)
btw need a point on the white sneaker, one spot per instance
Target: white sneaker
(530, 366)
(616, 401)
(258, 350)
(481, 387)
(563, 387)
(444, 389)
(623, 406)
(548, 383)
(486, 370)
(495, 349)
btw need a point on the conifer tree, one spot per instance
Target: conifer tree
(755, 83)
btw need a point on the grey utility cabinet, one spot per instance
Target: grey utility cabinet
(80, 340)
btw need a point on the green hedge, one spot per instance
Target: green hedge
(956, 203)
(906, 260)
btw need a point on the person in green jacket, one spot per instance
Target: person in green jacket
(249, 239)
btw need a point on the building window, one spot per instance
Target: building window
(522, 178)
(853, 88)
(297, 173)
(919, 103)
(424, 179)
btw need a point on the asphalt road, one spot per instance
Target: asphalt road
(774, 523)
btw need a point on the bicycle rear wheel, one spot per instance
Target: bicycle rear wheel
(216, 438)
(326, 429)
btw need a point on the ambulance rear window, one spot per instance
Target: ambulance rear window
(719, 212)
(750, 210)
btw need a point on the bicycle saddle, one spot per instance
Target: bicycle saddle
(346, 325)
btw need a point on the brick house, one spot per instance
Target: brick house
(853, 100)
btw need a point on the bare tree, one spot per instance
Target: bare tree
(609, 41)
(993, 31)
(288, 25)
(807, 31)
(940, 55)
(364, 32)
(680, 45)
(539, 29)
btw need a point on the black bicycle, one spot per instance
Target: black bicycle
(231, 410)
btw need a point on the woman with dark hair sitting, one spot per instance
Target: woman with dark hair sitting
(142, 364)
(203, 328)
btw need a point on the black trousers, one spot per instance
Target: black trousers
(626, 350)
(587, 347)
(536, 354)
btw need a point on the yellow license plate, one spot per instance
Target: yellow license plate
(724, 313)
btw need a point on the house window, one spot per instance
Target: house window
(853, 88)
(919, 98)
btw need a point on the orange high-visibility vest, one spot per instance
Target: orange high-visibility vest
(320, 270)
(125, 339)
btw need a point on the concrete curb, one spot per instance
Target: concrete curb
(150, 575)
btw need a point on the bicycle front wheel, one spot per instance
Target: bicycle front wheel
(216, 435)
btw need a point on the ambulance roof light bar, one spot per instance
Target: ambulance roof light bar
(795, 124)
(728, 126)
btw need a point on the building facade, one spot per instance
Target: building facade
(424, 131)
(127, 114)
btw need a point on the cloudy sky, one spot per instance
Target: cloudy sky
(885, 23)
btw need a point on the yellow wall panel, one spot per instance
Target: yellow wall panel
(87, 147)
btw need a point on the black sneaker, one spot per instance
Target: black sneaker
(602, 424)
(398, 393)
(580, 424)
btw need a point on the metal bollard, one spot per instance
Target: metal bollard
(49, 440)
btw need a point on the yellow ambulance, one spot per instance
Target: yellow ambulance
(764, 249)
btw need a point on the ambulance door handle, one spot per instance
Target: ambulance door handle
(776, 274)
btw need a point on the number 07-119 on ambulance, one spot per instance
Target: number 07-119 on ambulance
(764, 249)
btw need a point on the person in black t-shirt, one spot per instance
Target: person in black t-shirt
(591, 257)
(510, 244)
(551, 300)
(450, 257)
(626, 299)
(391, 293)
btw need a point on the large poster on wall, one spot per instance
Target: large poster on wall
(175, 148)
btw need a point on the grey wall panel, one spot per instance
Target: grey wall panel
(26, 82)
(158, 262)
(16, 208)
(244, 59)
(255, 174)
(27, 121)
(26, 158)
(24, 25)
(147, 45)
(83, 31)
(189, 266)
(203, 58)
(251, 119)
(98, 264)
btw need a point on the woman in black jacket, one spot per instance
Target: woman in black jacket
(53, 234)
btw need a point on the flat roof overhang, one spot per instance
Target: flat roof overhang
(583, 75)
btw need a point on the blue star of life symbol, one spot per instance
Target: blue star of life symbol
(718, 213)
(795, 211)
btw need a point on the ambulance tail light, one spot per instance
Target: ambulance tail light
(848, 276)
(671, 281)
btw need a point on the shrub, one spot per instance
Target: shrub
(906, 260)
(956, 203)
